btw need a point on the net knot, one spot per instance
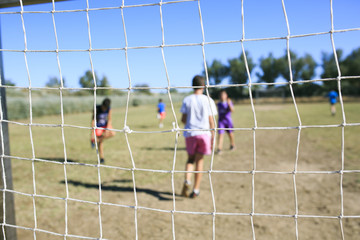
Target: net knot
(127, 130)
(175, 128)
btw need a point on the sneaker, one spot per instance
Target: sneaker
(102, 160)
(232, 148)
(93, 143)
(185, 190)
(218, 152)
(194, 195)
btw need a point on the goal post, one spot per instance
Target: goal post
(14, 3)
(7, 206)
(7, 212)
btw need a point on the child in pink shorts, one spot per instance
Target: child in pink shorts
(197, 113)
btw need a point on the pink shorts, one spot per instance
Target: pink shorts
(198, 144)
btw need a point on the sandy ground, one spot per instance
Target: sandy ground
(318, 195)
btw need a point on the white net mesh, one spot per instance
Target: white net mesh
(33, 229)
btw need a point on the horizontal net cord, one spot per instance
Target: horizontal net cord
(183, 171)
(185, 212)
(129, 131)
(180, 211)
(48, 232)
(184, 87)
(183, 44)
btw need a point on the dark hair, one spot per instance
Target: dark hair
(222, 91)
(198, 81)
(106, 103)
(160, 100)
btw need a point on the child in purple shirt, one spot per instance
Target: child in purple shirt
(225, 107)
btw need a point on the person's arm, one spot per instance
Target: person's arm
(183, 118)
(212, 126)
(231, 106)
(92, 125)
(109, 123)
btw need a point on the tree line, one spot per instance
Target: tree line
(302, 67)
(272, 68)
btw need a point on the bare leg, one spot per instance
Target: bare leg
(232, 139)
(189, 167)
(333, 109)
(221, 140)
(101, 149)
(107, 134)
(161, 122)
(199, 159)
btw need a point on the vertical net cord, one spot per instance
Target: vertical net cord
(62, 119)
(298, 116)
(2, 162)
(341, 172)
(126, 128)
(253, 130)
(2, 158)
(95, 88)
(30, 119)
(214, 120)
(175, 124)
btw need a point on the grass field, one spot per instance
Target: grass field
(317, 194)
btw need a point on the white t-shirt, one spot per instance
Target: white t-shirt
(197, 109)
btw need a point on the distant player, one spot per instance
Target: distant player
(103, 120)
(333, 95)
(197, 113)
(225, 108)
(161, 112)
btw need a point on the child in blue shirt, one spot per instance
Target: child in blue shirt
(161, 112)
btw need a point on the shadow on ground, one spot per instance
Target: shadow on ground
(162, 196)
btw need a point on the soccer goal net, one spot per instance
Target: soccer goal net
(292, 170)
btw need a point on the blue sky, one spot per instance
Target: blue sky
(222, 22)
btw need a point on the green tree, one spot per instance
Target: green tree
(143, 89)
(308, 69)
(87, 81)
(271, 68)
(8, 82)
(104, 83)
(216, 72)
(54, 82)
(330, 69)
(301, 67)
(351, 67)
(236, 70)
